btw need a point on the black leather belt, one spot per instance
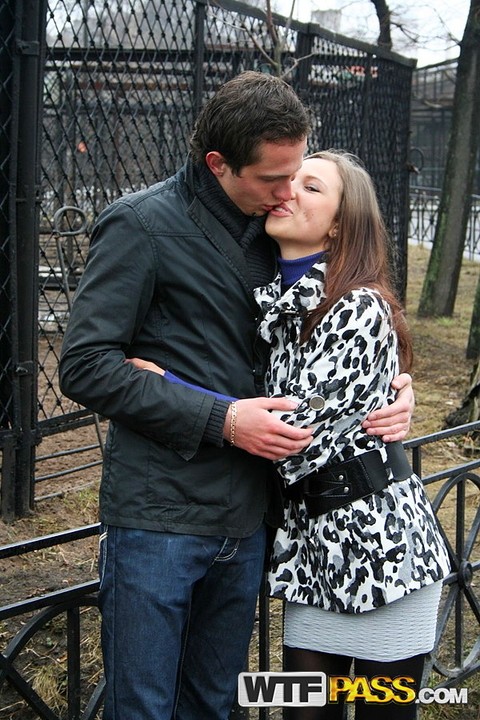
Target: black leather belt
(340, 484)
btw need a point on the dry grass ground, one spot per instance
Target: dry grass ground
(441, 378)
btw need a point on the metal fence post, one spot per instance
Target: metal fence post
(6, 388)
(303, 53)
(28, 49)
(198, 78)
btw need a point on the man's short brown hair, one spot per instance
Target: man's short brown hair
(249, 109)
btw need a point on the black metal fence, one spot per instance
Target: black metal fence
(456, 656)
(98, 99)
(424, 203)
(433, 90)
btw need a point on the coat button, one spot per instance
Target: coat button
(317, 402)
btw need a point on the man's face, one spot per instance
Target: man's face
(262, 186)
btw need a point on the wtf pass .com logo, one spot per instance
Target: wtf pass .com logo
(268, 689)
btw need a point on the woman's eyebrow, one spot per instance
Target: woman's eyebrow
(316, 178)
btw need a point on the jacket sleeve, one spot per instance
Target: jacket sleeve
(110, 305)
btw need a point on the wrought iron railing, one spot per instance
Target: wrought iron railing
(456, 655)
(424, 204)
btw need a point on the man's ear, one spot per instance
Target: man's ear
(215, 162)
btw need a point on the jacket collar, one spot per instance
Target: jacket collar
(214, 228)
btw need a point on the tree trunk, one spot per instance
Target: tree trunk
(475, 395)
(469, 410)
(383, 15)
(443, 272)
(473, 346)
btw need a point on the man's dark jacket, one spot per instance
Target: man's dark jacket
(166, 282)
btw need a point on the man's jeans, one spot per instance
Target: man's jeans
(177, 615)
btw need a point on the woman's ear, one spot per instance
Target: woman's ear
(215, 162)
(332, 233)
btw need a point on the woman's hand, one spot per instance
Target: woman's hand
(145, 365)
(392, 422)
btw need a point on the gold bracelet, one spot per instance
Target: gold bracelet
(233, 422)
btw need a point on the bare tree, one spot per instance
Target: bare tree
(279, 38)
(443, 272)
(384, 16)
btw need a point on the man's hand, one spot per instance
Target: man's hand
(259, 432)
(392, 422)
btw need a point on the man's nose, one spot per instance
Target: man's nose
(284, 191)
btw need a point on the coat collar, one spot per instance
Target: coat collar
(302, 297)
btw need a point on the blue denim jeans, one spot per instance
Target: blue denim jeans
(177, 616)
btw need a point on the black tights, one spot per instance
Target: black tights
(299, 660)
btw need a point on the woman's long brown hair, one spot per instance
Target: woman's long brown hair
(358, 254)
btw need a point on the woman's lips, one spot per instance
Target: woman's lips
(281, 210)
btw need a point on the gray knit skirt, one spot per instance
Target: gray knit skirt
(396, 631)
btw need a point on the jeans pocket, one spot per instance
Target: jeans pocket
(102, 553)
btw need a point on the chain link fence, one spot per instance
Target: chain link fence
(119, 85)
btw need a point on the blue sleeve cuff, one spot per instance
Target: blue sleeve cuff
(174, 379)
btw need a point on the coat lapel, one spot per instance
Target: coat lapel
(305, 295)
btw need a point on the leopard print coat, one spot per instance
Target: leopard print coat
(376, 549)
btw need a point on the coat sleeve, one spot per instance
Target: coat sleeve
(350, 361)
(109, 307)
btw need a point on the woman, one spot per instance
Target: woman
(359, 559)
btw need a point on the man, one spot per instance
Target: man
(185, 481)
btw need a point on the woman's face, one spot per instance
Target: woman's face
(303, 225)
